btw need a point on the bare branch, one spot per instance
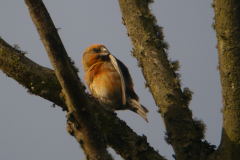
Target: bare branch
(43, 82)
(227, 28)
(164, 84)
(38, 80)
(92, 141)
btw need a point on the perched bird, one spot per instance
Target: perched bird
(109, 81)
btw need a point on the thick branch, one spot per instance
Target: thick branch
(227, 14)
(38, 80)
(148, 48)
(42, 82)
(93, 142)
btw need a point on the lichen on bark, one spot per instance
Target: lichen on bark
(227, 26)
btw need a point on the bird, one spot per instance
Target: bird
(109, 81)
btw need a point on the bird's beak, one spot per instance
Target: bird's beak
(105, 52)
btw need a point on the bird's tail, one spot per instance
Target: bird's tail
(138, 108)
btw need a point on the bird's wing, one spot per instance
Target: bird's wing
(116, 66)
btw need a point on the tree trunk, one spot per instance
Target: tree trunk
(92, 141)
(183, 133)
(146, 36)
(227, 17)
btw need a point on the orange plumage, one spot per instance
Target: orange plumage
(108, 79)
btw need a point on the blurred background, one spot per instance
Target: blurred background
(32, 129)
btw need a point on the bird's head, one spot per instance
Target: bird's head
(93, 54)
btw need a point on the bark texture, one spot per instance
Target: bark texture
(43, 82)
(92, 141)
(227, 18)
(183, 133)
(36, 79)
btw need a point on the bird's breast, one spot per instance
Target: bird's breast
(104, 81)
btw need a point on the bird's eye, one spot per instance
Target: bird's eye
(95, 50)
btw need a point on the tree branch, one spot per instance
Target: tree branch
(227, 28)
(92, 140)
(43, 82)
(183, 133)
(38, 80)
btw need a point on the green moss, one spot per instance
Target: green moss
(200, 128)
(174, 65)
(167, 138)
(187, 95)
(16, 46)
(150, 1)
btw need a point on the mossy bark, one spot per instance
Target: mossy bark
(227, 18)
(119, 136)
(37, 79)
(149, 49)
(183, 132)
(92, 141)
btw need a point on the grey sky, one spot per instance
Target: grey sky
(32, 129)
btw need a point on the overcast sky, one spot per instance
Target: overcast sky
(32, 129)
